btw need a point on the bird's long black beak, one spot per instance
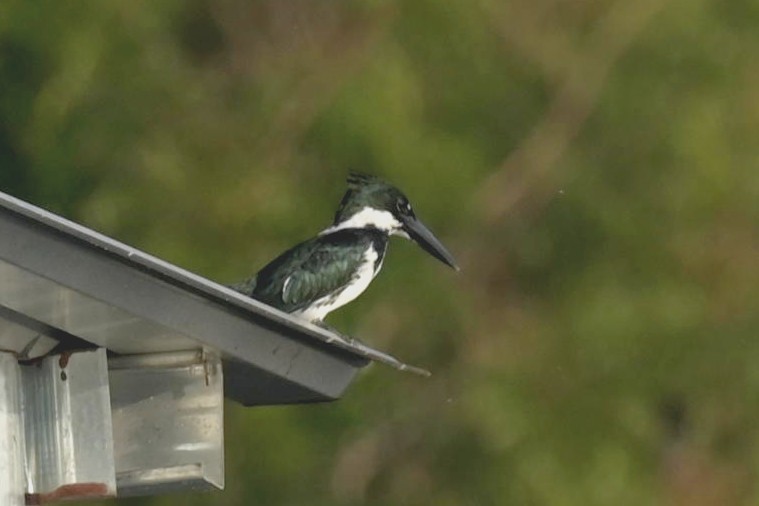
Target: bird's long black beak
(421, 235)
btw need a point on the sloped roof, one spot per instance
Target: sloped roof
(70, 287)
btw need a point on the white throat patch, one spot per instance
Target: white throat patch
(369, 217)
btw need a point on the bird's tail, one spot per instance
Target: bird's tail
(245, 287)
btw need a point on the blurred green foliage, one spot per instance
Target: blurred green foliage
(593, 164)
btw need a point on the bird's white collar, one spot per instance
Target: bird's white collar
(369, 217)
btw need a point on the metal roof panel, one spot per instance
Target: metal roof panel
(67, 280)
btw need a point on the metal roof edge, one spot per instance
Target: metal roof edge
(185, 279)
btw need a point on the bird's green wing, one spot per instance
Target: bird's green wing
(308, 272)
(324, 272)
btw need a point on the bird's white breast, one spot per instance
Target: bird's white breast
(364, 275)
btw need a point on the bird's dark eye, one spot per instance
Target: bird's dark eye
(403, 207)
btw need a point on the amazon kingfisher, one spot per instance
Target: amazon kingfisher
(319, 275)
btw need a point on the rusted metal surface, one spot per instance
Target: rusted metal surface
(71, 492)
(67, 424)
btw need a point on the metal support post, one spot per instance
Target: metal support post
(12, 484)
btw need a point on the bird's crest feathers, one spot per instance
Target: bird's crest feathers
(357, 180)
(366, 192)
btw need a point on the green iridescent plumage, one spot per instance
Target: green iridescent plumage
(317, 276)
(312, 269)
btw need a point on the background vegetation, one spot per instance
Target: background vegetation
(593, 164)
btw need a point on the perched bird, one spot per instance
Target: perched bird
(319, 275)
